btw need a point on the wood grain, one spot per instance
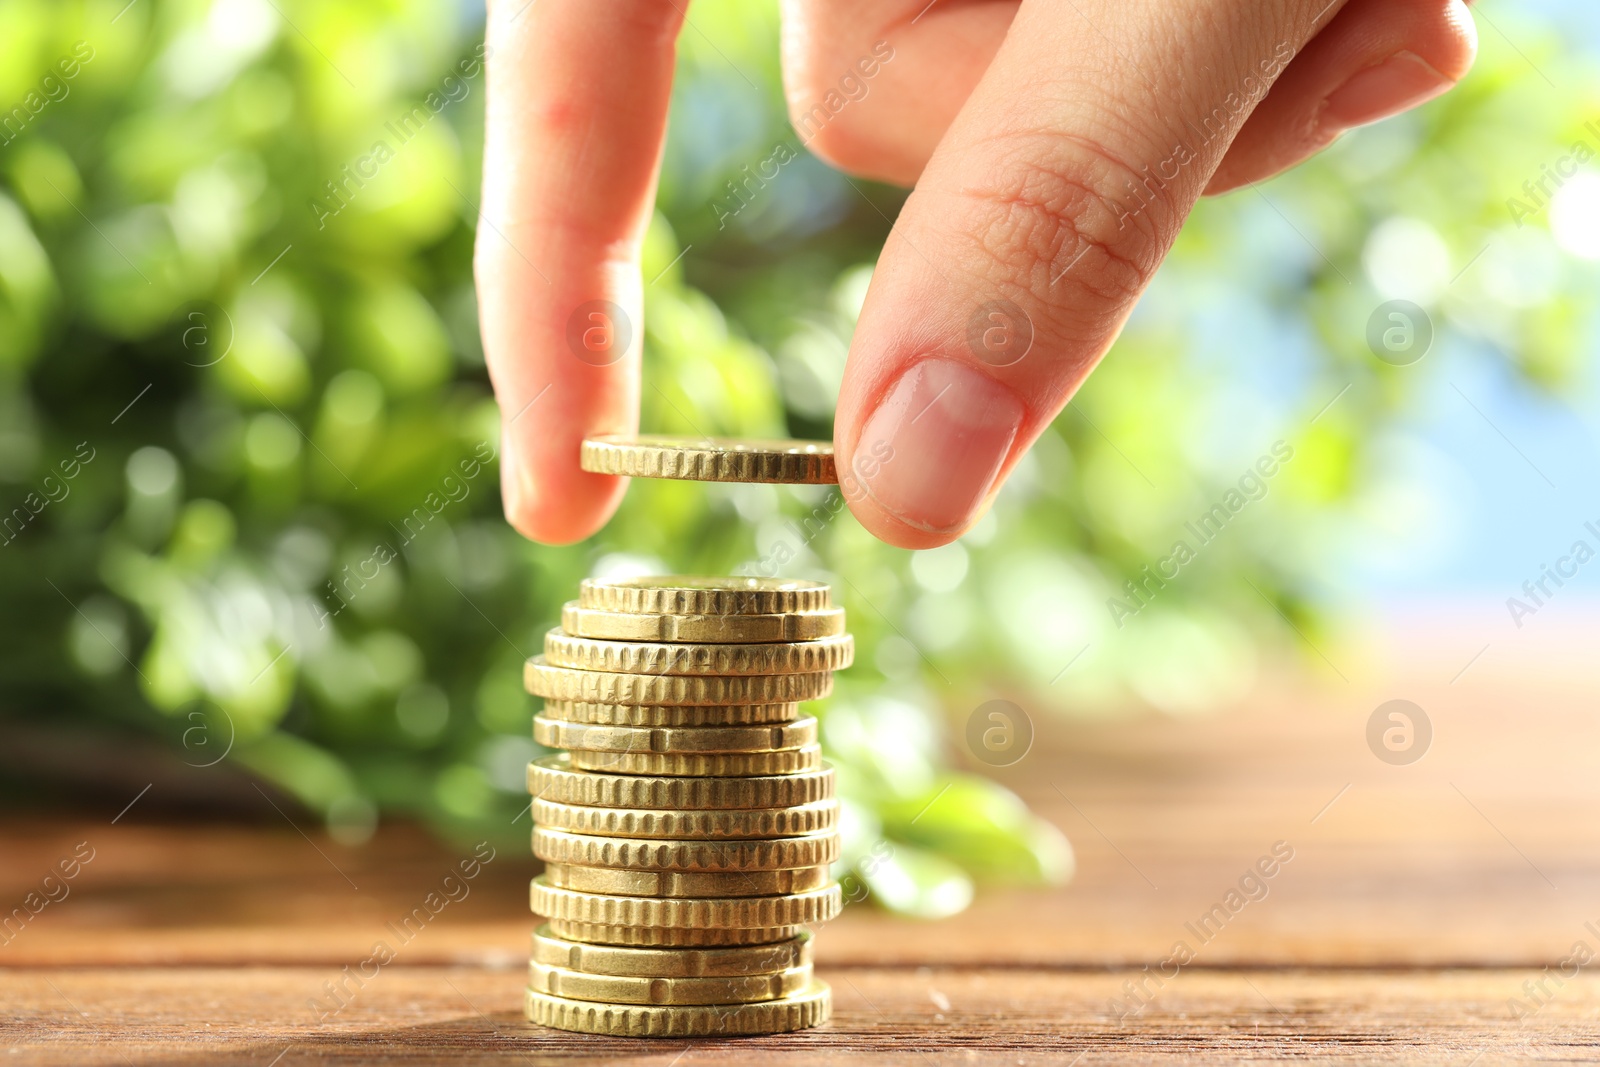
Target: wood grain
(471, 1015)
(1421, 904)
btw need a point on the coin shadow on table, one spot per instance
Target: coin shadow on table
(509, 1031)
(498, 1037)
(508, 1037)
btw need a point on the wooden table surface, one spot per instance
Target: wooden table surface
(1431, 913)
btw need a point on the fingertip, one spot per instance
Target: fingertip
(546, 494)
(927, 456)
(1461, 37)
(891, 530)
(1375, 59)
(564, 517)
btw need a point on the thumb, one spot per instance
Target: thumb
(1042, 216)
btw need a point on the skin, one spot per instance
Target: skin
(1025, 130)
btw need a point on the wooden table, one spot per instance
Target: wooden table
(1422, 904)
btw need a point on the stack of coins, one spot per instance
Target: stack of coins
(688, 830)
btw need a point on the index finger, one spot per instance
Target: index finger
(577, 112)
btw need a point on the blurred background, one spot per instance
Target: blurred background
(251, 547)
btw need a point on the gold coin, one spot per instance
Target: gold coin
(675, 963)
(592, 737)
(736, 913)
(667, 937)
(552, 778)
(710, 459)
(609, 880)
(543, 679)
(798, 1011)
(733, 629)
(699, 764)
(700, 824)
(669, 715)
(628, 989)
(654, 854)
(654, 657)
(682, 594)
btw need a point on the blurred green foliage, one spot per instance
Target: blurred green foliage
(281, 538)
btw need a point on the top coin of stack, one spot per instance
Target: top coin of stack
(688, 831)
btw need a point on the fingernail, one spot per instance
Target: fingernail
(936, 443)
(1398, 84)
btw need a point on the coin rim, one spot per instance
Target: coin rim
(699, 764)
(810, 1008)
(593, 788)
(596, 821)
(637, 596)
(714, 989)
(619, 687)
(657, 854)
(762, 628)
(694, 913)
(675, 716)
(674, 740)
(653, 962)
(669, 937)
(698, 659)
(772, 462)
(820, 872)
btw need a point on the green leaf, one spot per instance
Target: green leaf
(914, 882)
(985, 828)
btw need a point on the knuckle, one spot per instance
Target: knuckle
(1060, 212)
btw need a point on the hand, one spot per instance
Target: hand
(1056, 146)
